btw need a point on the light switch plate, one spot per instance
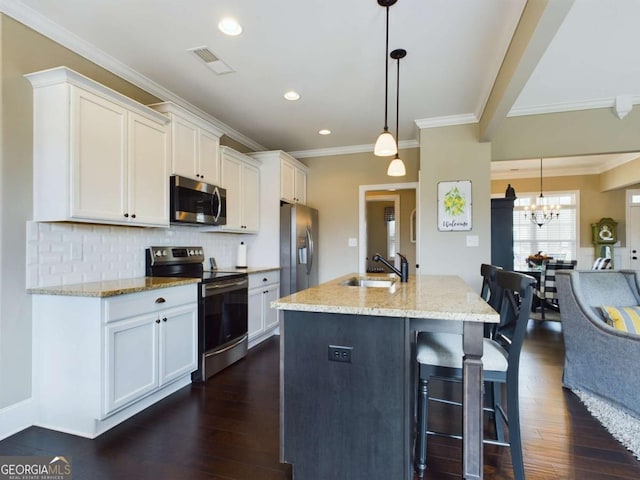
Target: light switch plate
(353, 242)
(473, 241)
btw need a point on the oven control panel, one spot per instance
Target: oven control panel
(168, 255)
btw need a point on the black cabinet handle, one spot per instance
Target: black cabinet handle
(265, 279)
(160, 300)
(164, 319)
(126, 215)
(133, 216)
(158, 321)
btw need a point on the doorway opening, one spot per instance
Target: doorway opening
(387, 225)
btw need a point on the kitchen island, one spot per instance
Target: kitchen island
(348, 376)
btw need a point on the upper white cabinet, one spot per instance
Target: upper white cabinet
(240, 176)
(293, 175)
(98, 156)
(195, 144)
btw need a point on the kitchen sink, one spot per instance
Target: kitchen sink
(370, 282)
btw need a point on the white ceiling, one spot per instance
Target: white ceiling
(332, 54)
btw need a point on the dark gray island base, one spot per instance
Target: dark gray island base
(347, 383)
(345, 420)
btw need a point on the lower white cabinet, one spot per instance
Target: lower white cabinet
(161, 346)
(99, 360)
(264, 288)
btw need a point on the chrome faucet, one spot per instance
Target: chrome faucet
(403, 273)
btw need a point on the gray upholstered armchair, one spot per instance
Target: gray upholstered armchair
(599, 359)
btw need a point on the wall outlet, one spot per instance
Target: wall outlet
(353, 242)
(340, 354)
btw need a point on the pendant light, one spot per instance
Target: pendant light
(541, 213)
(396, 167)
(386, 145)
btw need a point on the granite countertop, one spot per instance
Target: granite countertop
(444, 297)
(110, 288)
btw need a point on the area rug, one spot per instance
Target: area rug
(624, 427)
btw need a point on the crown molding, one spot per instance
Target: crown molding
(609, 102)
(346, 150)
(447, 121)
(32, 19)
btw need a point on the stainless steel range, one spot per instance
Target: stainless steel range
(222, 306)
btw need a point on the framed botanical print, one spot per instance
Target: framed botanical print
(454, 206)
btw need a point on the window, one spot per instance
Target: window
(390, 219)
(557, 239)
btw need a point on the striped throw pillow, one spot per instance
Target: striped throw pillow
(626, 319)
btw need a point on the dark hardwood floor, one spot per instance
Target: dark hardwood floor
(228, 429)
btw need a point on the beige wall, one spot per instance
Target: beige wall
(24, 51)
(447, 154)
(333, 188)
(582, 132)
(624, 176)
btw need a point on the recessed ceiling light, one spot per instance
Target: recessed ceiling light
(291, 95)
(324, 131)
(230, 26)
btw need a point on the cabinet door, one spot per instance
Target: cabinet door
(148, 178)
(184, 149)
(254, 306)
(131, 361)
(271, 314)
(209, 157)
(231, 179)
(251, 198)
(98, 152)
(287, 182)
(300, 185)
(178, 342)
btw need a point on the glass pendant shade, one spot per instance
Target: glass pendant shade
(396, 168)
(385, 145)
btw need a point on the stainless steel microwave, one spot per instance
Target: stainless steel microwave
(197, 203)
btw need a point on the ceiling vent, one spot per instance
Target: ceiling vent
(211, 60)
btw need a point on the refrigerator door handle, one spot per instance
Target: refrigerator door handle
(310, 248)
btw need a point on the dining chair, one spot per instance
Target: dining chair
(490, 292)
(546, 291)
(440, 355)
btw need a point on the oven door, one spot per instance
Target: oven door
(223, 312)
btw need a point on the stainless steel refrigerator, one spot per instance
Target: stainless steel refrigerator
(298, 248)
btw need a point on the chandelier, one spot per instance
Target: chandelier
(542, 212)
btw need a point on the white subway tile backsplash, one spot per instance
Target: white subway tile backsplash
(66, 253)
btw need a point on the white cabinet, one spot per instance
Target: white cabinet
(292, 175)
(195, 144)
(98, 156)
(161, 347)
(264, 288)
(293, 182)
(240, 176)
(123, 353)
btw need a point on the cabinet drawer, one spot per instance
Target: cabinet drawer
(131, 304)
(264, 278)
